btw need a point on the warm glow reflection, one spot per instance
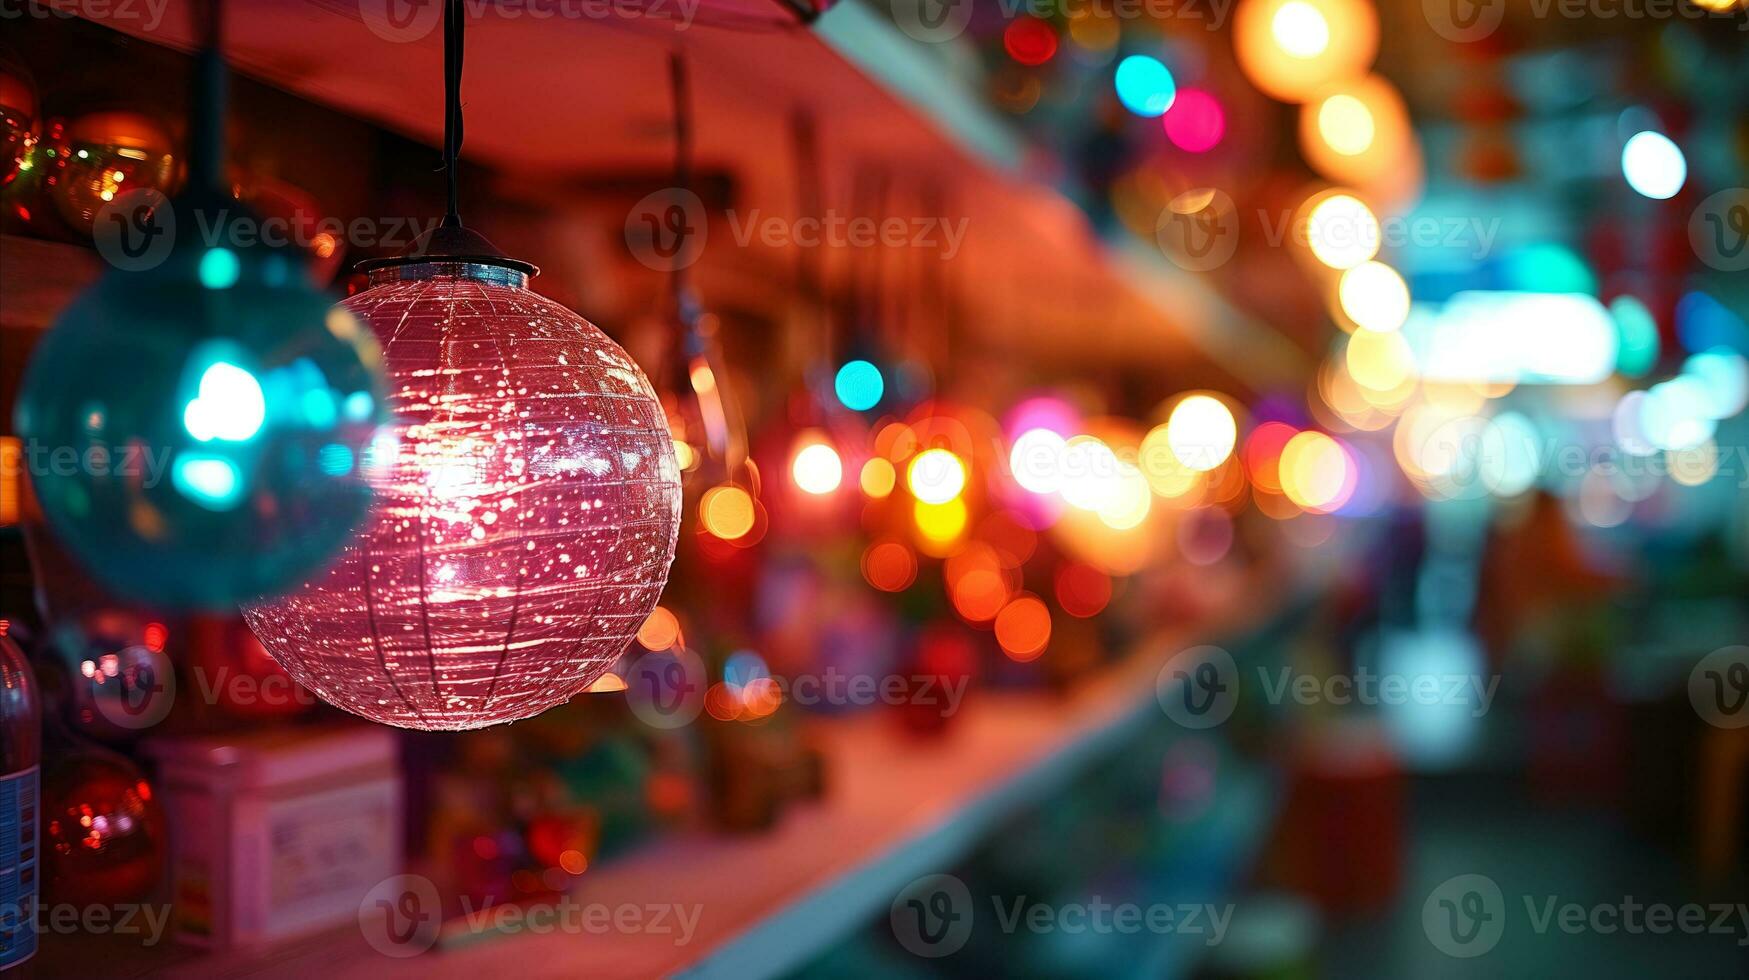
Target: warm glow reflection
(1288, 48)
(878, 477)
(727, 512)
(1023, 628)
(1342, 231)
(1201, 432)
(660, 631)
(1317, 472)
(935, 476)
(940, 523)
(1374, 297)
(816, 466)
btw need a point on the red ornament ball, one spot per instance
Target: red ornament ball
(525, 517)
(103, 832)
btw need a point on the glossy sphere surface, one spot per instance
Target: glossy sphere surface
(524, 529)
(196, 428)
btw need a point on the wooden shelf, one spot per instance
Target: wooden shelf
(768, 903)
(37, 278)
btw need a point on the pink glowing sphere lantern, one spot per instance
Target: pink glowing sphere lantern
(526, 510)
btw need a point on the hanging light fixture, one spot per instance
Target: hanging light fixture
(704, 411)
(197, 421)
(525, 526)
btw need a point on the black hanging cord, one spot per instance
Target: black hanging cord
(207, 163)
(454, 23)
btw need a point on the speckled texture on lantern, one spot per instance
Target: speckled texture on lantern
(523, 530)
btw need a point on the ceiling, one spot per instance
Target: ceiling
(554, 102)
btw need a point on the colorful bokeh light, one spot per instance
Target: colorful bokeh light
(1145, 85)
(1195, 122)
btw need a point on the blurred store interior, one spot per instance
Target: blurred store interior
(1166, 488)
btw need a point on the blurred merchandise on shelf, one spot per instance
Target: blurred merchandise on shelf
(278, 834)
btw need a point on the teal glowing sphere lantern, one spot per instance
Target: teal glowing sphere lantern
(197, 423)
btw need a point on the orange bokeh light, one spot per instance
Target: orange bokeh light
(889, 566)
(1023, 628)
(661, 630)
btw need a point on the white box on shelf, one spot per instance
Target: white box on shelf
(278, 834)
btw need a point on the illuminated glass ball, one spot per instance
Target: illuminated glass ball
(18, 117)
(524, 529)
(196, 431)
(103, 155)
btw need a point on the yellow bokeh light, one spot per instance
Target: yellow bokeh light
(878, 477)
(660, 630)
(1201, 432)
(816, 467)
(1356, 130)
(684, 455)
(1374, 297)
(1300, 29)
(1380, 361)
(1346, 124)
(727, 511)
(940, 523)
(1127, 504)
(1289, 48)
(1316, 472)
(1085, 477)
(1167, 475)
(1695, 466)
(1342, 231)
(935, 476)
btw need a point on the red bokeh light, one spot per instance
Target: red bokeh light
(1030, 41)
